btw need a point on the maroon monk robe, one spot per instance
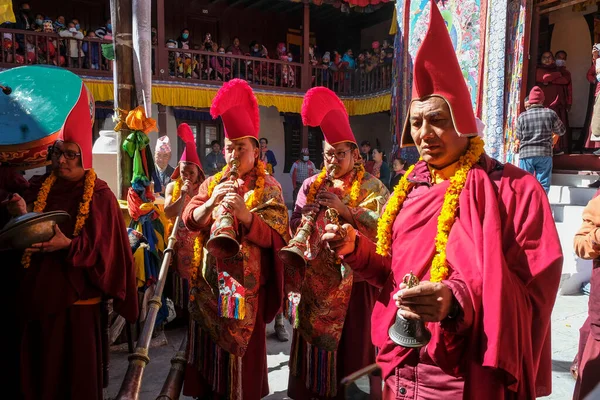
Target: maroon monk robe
(354, 350)
(61, 345)
(557, 87)
(591, 77)
(588, 355)
(270, 298)
(505, 264)
(11, 181)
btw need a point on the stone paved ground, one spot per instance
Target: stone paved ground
(568, 315)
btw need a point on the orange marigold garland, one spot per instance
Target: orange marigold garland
(251, 202)
(84, 207)
(439, 266)
(354, 190)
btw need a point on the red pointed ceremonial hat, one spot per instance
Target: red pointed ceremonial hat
(190, 153)
(321, 107)
(437, 73)
(78, 126)
(236, 104)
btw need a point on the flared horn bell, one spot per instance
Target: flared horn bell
(409, 332)
(223, 241)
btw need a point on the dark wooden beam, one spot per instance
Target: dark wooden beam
(274, 4)
(258, 4)
(237, 2)
(215, 1)
(287, 6)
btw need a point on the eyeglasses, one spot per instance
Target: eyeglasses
(340, 155)
(69, 154)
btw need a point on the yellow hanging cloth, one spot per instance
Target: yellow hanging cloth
(6, 11)
(394, 27)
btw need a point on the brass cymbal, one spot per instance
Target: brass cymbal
(23, 231)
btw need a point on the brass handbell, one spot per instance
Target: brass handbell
(409, 332)
(223, 241)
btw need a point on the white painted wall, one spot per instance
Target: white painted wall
(371, 127)
(571, 34)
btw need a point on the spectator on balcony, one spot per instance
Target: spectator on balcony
(371, 61)
(220, 65)
(48, 47)
(105, 32)
(25, 20)
(73, 38)
(91, 50)
(361, 62)
(38, 25)
(388, 50)
(348, 58)
(258, 51)
(75, 21)
(287, 73)
(313, 60)
(376, 52)
(172, 44)
(186, 62)
(235, 48)
(59, 24)
(207, 42)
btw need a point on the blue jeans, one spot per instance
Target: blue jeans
(540, 167)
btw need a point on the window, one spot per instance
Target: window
(292, 126)
(204, 133)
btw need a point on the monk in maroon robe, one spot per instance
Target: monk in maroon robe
(556, 83)
(67, 277)
(489, 312)
(233, 298)
(11, 181)
(588, 357)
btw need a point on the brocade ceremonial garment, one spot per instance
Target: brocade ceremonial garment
(331, 335)
(505, 263)
(227, 345)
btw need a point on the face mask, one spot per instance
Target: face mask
(305, 158)
(185, 36)
(283, 49)
(77, 27)
(221, 52)
(109, 27)
(561, 63)
(171, 46)
(290, 59)
(72, 30)
(39, 21)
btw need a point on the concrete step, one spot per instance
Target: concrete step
(581, 179)
(570, 195)
(569, 214)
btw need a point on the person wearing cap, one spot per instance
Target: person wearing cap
(227, 351)
(214, 161)
(88, 258)
(536, 128)
(332, 333)
(163, 172)
(480, 237)
(301, 170)
(186, 180)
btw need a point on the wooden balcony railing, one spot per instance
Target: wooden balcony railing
(84, 57)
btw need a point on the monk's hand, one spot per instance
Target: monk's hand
(219, 193)
(58, 242)
(341, 244)
(310, 208)
(15, 205)
(236, 205)
(428, 301)
(187, 187)
(331, 200)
